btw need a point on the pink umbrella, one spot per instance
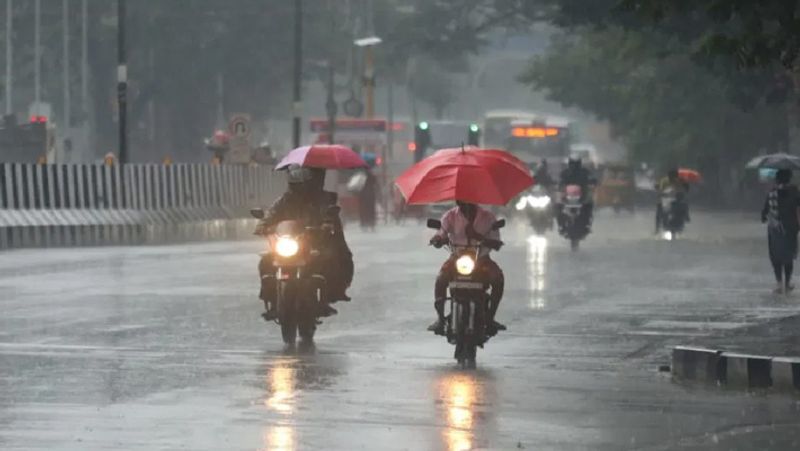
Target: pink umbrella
(324, 156)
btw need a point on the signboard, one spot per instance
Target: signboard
(239, 129)
(239, 125)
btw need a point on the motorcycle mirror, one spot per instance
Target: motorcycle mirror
(499, 224)
(434, 224)
(257, 213)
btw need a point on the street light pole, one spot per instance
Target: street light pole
(9, 57)
(85, 60)
(65, 37)
(122, 83)
(330, 103)
(298, 71)
(37, 54)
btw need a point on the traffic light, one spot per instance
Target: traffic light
(474, 135)
(422, 140)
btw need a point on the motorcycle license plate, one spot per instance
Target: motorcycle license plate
(467, 285)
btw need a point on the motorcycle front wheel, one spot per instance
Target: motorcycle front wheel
(307, 321)
(287, 311)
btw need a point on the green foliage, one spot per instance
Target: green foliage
(667, 109)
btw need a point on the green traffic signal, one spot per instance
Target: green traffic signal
(474, 128)
(423, 125)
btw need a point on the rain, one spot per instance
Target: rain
(452, 225)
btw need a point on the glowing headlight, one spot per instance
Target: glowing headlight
(521, 203)
(465, 265)
(287, 246)
(539, 201)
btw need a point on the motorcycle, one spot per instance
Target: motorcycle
(673, 216)
(298, 289)
(574, 226)
(537, 205)
(469, 302)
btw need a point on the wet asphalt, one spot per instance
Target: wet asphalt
(145, 348)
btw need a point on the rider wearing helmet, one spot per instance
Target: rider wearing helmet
(576, 174)
(672, 182)
(542, 175)
(461, 226)
(307, 201)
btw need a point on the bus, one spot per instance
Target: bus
(544, 138)
(497, 125)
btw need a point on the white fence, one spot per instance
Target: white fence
(99, 204)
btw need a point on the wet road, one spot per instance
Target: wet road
(163, 348)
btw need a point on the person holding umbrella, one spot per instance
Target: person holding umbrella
(781, 213)
(306, 199)
(469, 176)
(679, 187)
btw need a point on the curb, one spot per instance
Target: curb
(735, 370)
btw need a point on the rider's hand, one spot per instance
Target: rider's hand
(493, 244)
(437, 241)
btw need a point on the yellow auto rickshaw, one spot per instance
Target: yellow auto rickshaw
(616, 187)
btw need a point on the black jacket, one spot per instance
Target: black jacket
(309, 208)
(781, 205)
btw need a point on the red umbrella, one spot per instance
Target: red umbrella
(472, 175)
(491, 153)
(325, 156)
(689, 175)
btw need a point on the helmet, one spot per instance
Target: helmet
(298, 174)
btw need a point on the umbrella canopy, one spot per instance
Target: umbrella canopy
(324, 156)
(689, 175)
(775, 161)
(481, 176)
(489, 153)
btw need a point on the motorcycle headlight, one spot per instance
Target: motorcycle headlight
(521, 203)
(465, 265)
(287, 246)
(539, 201)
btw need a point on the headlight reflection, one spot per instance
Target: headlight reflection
(537, 264)
(281, 382)
(459, 394)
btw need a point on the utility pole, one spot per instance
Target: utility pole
(65, 37)
(37, 54)
(9, 57)
(85, 59)
(122, 83)
(297, 105)
(330, 103)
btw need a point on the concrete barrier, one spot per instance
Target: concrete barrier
(786, 373)
(735, 370)
(747, 371)
(68, 205)
(696, 364)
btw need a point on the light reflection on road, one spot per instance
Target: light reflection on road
(281, 383)
(537, 264)
(458, 394)
(279, 438)
(281, 386)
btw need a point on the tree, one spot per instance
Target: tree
(666, 109)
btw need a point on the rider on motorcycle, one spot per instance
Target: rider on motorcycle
(672, 183)
(460, 226)
(305, 200)
(576, 174)
(542, 175)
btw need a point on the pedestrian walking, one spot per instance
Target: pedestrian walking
(781, 213)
